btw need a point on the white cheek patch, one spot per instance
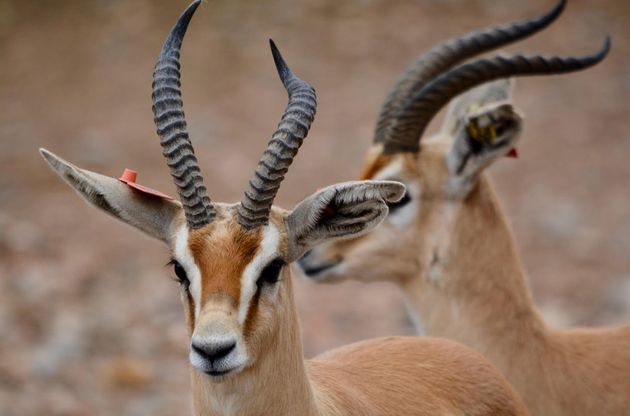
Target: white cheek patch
(185, 259)
(266, 252)
(404, 215)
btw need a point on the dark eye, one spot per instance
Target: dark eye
(395, 205)
(270, 273)
(182, 277)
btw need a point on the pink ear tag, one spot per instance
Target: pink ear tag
(512, 153)
(129, 177)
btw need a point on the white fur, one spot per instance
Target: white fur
(266, 252)
(185, 258)
(405, 215)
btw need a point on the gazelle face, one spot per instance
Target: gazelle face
(414, 224)
(414, 240)
(233, 284)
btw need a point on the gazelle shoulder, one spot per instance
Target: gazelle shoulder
(422, 367)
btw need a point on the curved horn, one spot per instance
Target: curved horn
(171, 127)
(420, 109)
(253, 211)
(446, 55)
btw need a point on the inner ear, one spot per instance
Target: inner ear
(342, 219)
(342, 210)
(491, 129)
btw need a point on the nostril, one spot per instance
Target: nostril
(214, 351)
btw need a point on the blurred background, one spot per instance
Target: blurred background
(90, 319)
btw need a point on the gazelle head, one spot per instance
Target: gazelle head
(442, 173)
(231, 258)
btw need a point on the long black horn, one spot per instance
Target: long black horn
(420, 109)
(171, 127)
(452, 52)
(253, 211)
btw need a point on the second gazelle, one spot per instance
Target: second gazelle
(446, 242)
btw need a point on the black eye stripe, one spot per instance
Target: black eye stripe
(271, 272)
(182, 277)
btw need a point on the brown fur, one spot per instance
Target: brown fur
(402, 376)
(222, 251)
(461, 273)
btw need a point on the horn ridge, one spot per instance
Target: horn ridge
(452, 52)
(420, 109)
(253, 210)
(171, 127)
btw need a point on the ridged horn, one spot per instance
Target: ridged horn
(452, 52)
(253, 211)
(171, 127)
(420, 109)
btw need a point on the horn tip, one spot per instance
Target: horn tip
(175, 38)
(605, 48)
(283, 69)
(562, 4)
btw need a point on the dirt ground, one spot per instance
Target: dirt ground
(90, 321)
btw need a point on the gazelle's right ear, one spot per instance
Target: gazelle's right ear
(343, 210)
(151, 214)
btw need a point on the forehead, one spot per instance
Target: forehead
(223, 249)
(428, 163)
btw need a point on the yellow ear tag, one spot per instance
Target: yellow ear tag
(486, 135)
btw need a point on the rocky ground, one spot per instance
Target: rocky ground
(90, 321)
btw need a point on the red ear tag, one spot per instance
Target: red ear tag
(129, 177)
(513, 153)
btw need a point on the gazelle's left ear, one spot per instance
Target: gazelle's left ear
(151, 214)
(343, 210)
(486, 126)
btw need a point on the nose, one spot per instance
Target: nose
(214, 351)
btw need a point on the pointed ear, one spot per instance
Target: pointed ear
(151, 214)
(344, 210)
(491, 92)
(484, 136)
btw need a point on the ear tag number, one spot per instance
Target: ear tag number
(129, 177)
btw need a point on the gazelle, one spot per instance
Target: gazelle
(446, 242)
(231, 261)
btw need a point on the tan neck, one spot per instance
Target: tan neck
(276, 384)
(480, 296)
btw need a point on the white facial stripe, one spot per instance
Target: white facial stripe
(185, 258)
(403, 216)
(266, 252)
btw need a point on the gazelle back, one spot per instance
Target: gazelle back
(446, 242)
(232, 262)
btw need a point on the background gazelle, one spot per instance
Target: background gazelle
(246, 350)
(447, 244)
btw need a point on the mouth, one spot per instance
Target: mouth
(218, 373)
(218, 370)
